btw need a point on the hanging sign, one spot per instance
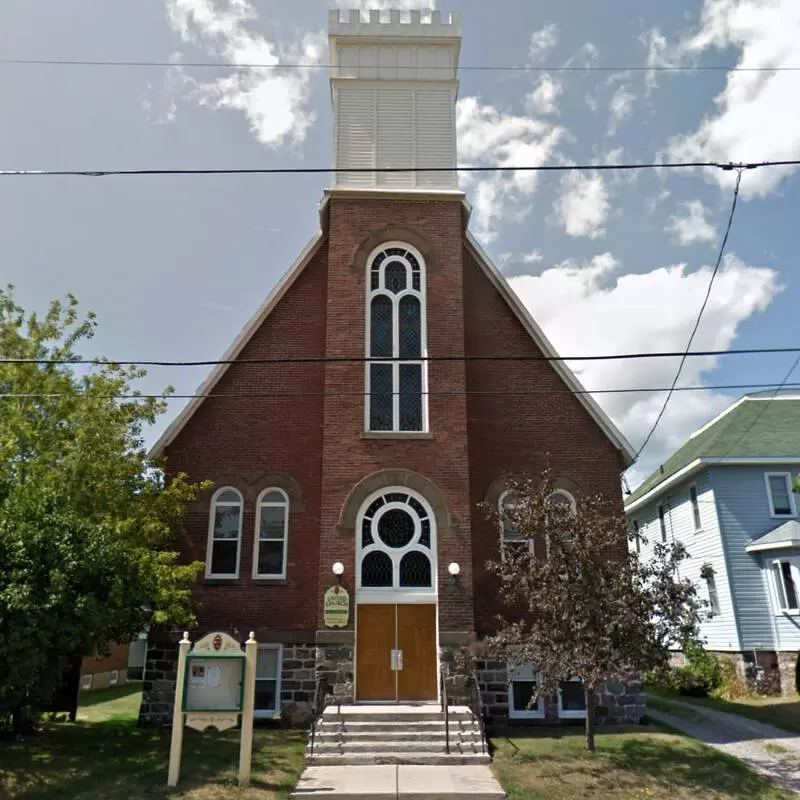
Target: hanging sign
(336, 607)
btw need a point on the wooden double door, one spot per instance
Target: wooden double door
(396, 654)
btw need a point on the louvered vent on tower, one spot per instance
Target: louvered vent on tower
(394, 89)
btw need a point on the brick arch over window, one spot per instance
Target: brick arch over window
(390, 233)
(280, 480)
(394, 477)
(500, 485)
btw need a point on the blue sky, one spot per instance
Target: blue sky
(607, 262)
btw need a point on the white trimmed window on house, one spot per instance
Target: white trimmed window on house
(396, 370)
(662, 522)
(695, 503)
(521, 689)
(779, 492)
(268, 681)
(784, 584)
(572, 699)
(272, 534)
(224, 534)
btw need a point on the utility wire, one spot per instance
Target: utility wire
(699, 316)
(100, 173)
(81, 62)
(362, 359)
(783, 384)
(299, 395)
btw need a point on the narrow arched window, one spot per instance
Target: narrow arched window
(224, 534)
(560, 506)
(272, 534)
(396, 374)
(510, 535)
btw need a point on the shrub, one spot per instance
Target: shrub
(731, 685)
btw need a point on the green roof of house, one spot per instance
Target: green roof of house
(753, 427)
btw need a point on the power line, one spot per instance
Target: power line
(362, 359)
(699, 316)
(783, 384)
(82, 62)
(322, 394)
(101, 173)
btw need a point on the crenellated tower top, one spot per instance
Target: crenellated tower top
(394, 86)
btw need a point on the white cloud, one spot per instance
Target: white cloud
(692, 226)
(488, 136)
(402, 5)
(543, 98)
(593, 308)
(620, 107)
(755, 116)
(542, 43)
(275, 103)
(583, 207)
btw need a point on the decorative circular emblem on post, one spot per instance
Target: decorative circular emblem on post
(217, 643)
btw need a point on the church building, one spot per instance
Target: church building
(369, 409)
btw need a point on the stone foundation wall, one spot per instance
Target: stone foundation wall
(617, 704)
(160, 675)
(787, 662)
(300, 666)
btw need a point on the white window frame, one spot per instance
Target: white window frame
(562, 714)
(395, 592)
(257, 576)
(267, 713)
(694, 507)
(778, 590)
(422, 296)
(503, 540)
(662, 522)
(787, 477)
(524, 674)
(564, 493)
(210, 541)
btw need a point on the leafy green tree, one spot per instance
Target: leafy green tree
(86, 520)
(580, 603)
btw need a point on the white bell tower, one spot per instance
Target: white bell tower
(394, 87)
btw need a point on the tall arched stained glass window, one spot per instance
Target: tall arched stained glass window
(396, 376)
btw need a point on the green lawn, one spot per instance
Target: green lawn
(630, 764)
(782, 712)
(103, 756)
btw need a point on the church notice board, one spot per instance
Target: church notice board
(214, 679)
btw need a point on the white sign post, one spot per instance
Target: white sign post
(216, 682)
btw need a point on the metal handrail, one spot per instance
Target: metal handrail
(317, 707)
(478, 710)
(446, 710)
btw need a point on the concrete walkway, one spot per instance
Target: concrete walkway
(400, 782)
(773, 752)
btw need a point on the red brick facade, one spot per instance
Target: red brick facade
(487, 420)
(309, 439)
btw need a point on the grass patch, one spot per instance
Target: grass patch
(630, 764)
(782, 712)
(104, 756)
(672, 708)
(117, 702)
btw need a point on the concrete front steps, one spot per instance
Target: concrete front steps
(396, 734)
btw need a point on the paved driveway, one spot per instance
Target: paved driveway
(773, 752)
